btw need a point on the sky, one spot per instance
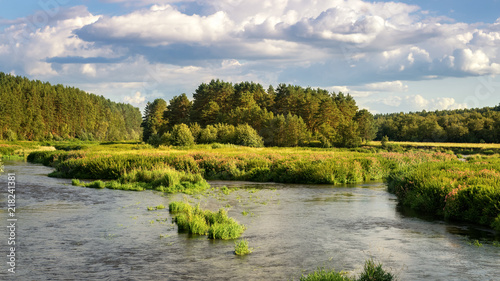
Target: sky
(391, 56)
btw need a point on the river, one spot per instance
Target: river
(65, 232)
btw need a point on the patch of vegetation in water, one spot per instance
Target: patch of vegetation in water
(164, 179)
(372, 271)
(241, 248)
(158, 207)
(216, 225)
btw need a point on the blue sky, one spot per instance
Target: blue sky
(391, 56)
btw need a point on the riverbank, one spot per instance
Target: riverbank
(464, 191)
(421, 179)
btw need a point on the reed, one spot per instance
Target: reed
(241, 248)
(217, 225)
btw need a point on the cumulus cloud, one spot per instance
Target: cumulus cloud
(159, 25)
(418, 102)
(369, 47)
(136, 99)
(388, 86)
(474, 62)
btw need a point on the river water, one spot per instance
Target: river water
(65, 232)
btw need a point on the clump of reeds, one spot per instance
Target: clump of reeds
(241, 248)
(217, 225)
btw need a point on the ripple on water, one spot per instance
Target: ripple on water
(68, 232)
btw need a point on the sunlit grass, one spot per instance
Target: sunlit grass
(161, 167)
(217, 225)
(464, 191)
(241, 248)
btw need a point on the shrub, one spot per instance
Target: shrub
(208, 135)
(181, 136)
(384, 141)
(247, 136)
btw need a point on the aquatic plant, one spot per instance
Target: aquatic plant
(241, 248)
(217, 225)
(158, 207)
(322, 274)
(374, 271)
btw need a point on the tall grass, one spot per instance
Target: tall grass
(217, 225)
(372, 271)
(464, 191)
(288, 165)
(163, 179)
(241, 248)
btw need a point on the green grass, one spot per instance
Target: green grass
(217, 225)
(159, 207)
(241, 248)
(164, 179)
(322, 274)
(284, 165)
(372, 271)
(464, 191)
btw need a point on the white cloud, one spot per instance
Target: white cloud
(388, 86)
(392, 101)
(368, 48)
(159, 25)
(89, 69)
(136, 99)
(475, 62)
(418, 102)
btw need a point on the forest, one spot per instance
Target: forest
(247, 114)
(242, 113)
(33, 110)
(480, 125)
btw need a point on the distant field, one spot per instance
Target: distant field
(441, 144)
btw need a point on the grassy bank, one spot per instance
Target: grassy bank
(226, 162)
(425, 180)
(21, 149)
(464, 191)
(159, 178)
(459, 148)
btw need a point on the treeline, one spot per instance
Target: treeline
(33, 110)
(461, 125)
(247, 113)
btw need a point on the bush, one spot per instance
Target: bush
(208, 135)
(247, 136)
(181, 136)
(225, 133)
(384, 141)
